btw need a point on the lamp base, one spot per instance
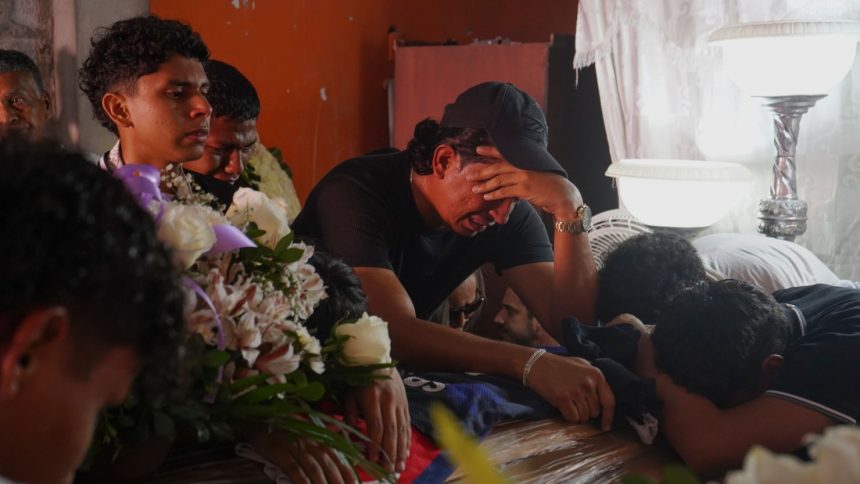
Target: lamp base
(783, 215)
(782, 218)
(688, 233)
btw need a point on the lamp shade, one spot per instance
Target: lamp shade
(788, 58)
(678, 193)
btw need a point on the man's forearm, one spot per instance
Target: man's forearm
(424, 345)
(574, 285)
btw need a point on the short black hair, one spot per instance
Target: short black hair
(74, 237)
(714, 338)
(429, 134)
(129, 49)
(346, 299)
(15, 61)
(231, 94)
(644, 273)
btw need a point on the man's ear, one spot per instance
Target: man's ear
(116, 107)
(19, 359)
(769, 369)
(444, 159)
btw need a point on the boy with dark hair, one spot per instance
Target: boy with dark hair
(233, 127)
(145, 80)
(644, 273)
(744, 368)
(88, 297)
(24, 103)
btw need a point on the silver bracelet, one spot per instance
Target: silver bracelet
(529, 364)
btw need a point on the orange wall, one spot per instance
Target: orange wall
(292, 50)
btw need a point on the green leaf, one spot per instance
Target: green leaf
(290, 255)
(266, 392)
(215, 358)
(244, 383)
(676, 474)
(312, 392)
(284, 243)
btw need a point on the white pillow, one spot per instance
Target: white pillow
(766, 262)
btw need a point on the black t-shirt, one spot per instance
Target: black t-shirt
(363, 212)
(822, 361)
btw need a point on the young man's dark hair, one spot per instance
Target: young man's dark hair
(429, 134)
(15, 61)
(345, 298)
(129, 49)
(644, 273)
(714, 338)
(231, 94)
(88, 297)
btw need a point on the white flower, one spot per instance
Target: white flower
(253, 206)
(280, 361)
(368, 342)
(762, 466)
(186, 229)
(311, 350)
(836, 460)
(837, 454)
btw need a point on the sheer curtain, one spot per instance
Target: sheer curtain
(664, 95)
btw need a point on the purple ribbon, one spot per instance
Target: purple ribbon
(227, 238)
(143, 183)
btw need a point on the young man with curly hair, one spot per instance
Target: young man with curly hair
(81, 310)
(737, 367)
(145, 81)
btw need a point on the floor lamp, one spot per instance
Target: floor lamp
(788, 65)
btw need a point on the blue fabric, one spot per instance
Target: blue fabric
(479, 401)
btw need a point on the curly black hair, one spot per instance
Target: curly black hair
(129, 49)
(346, 298)
(231, 94)
(14, 61)
(715, 337)
(429, 134)
(74, 237)
(644, 273)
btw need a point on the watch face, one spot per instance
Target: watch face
(586, 217)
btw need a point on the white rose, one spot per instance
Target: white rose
(837, 454)
(186, 229)
(762, 466)
(253, 206)
(368, 342)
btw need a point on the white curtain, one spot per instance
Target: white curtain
(664, 95)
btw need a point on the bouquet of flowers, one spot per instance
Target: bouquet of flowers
(249, 356)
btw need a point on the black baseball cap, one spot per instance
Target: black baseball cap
(514, 120)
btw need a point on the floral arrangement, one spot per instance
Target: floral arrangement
(250, 358)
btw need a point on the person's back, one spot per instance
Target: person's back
(88, 297)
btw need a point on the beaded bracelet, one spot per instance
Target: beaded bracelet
(529, 364)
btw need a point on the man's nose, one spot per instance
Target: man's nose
(200, 106)
(7, 114)
(502, 212)
(235, 164)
